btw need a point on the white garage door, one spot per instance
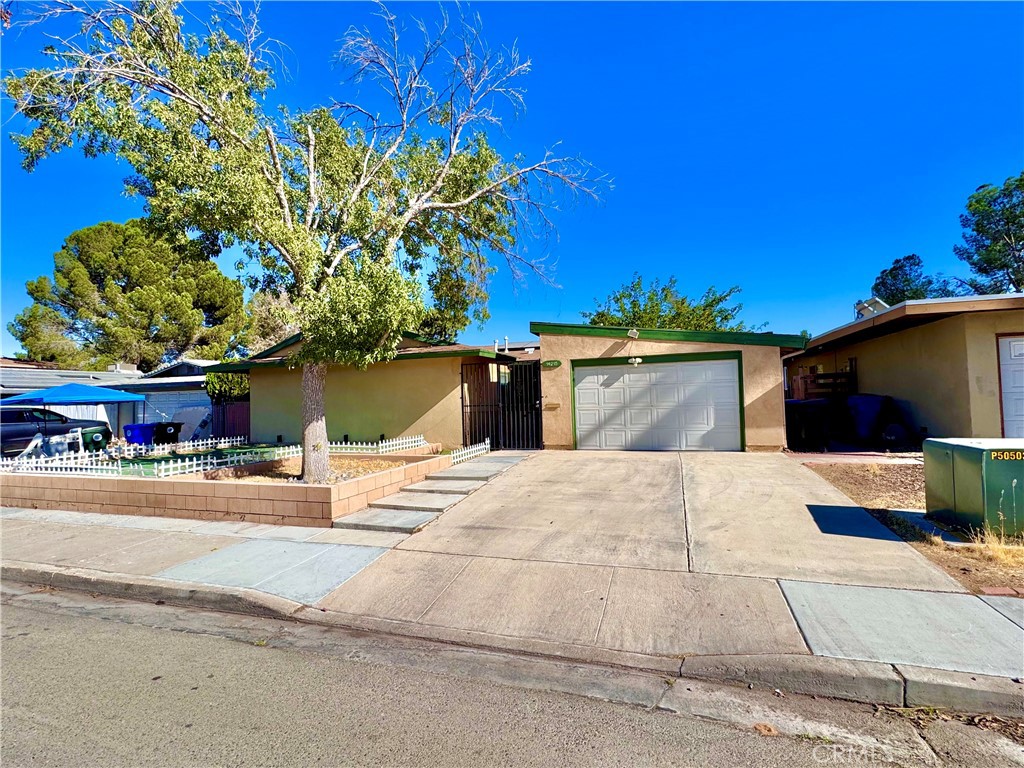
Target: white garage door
(659, 406)
(1011, 378)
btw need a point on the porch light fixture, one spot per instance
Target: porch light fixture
(633, 333)
(635, 361)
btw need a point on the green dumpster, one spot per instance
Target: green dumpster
(976, 483)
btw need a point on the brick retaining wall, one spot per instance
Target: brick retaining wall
(192, 497)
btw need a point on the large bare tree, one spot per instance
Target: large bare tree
(341, 204)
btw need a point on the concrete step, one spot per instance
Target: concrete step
(464, 487)
(360, 537)
(469, 471)
(423, 502)
(500, 458)
(383, 519)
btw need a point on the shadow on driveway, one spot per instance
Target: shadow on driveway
(849, 521)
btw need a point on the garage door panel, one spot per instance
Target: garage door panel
(639, 398)
(659, 406)
(723, 393)
(727, 418)
(612, 397)
(639, 418)
(666, 394)
(667, 440)
(697, 416)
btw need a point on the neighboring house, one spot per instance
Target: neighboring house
(956, 364)
(645, 389)
(20, 376)
(171, 388)
(444, 392)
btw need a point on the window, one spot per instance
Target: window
(41, 415)
(12, 416)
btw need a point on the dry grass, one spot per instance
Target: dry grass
(996, 547)
(289, 470)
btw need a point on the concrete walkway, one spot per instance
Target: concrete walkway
(644, 560)
(414, 507)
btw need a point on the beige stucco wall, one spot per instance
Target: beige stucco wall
(946, 372)
(981, 330)
(764, 412)
(404, 397)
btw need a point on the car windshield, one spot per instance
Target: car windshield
(12, 416)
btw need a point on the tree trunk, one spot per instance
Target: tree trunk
(316, 462)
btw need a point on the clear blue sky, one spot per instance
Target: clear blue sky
(792, 149)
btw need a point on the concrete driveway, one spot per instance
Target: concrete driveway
(611, 556)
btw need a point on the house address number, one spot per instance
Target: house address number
(551, 363)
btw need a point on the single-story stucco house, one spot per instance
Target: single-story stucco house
(586, 387)
(447, 393)
(645, 389)
(957, 365)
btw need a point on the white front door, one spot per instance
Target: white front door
(1011, 378)
(658, 406)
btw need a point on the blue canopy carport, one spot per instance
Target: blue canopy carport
(73, 394)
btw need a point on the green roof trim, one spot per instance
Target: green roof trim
(270, 351)
(664, 334)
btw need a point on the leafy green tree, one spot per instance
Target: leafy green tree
(227, 387)
(340, 206)
(658, 305)
(456, 300)
(994, 237)
(122, 293)
(905, 280)
(271, 318)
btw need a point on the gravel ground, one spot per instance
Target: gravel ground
(342, 468)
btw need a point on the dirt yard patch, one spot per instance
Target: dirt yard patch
(987, 563)
(286, 470)
(880, 486)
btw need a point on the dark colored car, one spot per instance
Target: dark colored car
(20, 423)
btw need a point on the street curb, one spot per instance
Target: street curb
(867, 681)
(859, 681)
(928, 687)
(569, 652)
(250, 602)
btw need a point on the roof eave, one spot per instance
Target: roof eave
(740, 338)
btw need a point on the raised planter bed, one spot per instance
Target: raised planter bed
(196, 497)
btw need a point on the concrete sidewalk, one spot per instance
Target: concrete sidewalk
(946, 649)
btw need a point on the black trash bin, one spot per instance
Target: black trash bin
(167, 432)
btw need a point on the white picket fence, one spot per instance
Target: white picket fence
(117, 460)
(394, 445)
(188, 465)
(471, 451)
(132, 451)
(70, 459)
(71, 465)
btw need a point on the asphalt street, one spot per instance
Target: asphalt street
(94, 683)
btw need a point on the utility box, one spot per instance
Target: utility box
(976, 483)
